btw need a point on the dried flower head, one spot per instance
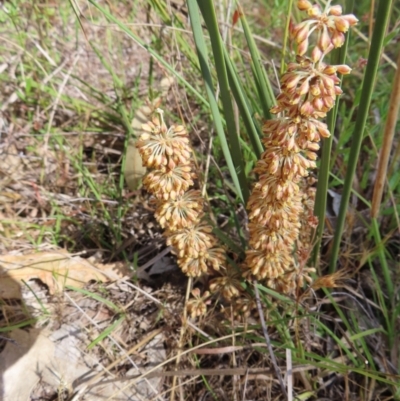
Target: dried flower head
(209, 259)
(191, 241)
(181, 212)
(329, 25)
(333, 280)
(267, 264)
(243, 306)
(284, 283)
(229, 286)
(166, 151)
(166, 183)
(197, 306)
(162, 146)
(309, 89)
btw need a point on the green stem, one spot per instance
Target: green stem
(265, 91)
(210, 18)
(206, 73)
(338, 57)
(382, 258)
(244, 106)
(382, 18)
(286, 37)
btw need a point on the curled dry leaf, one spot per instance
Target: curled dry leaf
(55, 269)
(133, 168)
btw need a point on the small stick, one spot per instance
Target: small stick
(387, 143)
(268, 341)
(250, 373)
(289, 374)
(8, 339)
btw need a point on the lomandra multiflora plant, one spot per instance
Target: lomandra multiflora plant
(281, 204)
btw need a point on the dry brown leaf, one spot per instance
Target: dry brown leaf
(133, 168)
(55, 269)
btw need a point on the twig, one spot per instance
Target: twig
(93, 380)
(156, 258)
(384, 55)
(228, 349)
(251, 373)
(268, 341)
(8, 339)
(289, 373)
(387, 143)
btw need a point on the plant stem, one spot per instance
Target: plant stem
(338, 57)
(206, 74)
(382, 18)
(286, 37)
(382, 259)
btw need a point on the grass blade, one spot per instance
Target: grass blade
(382, 258)
(95, 296)
(286, 37)
(338, 57)
(265, 93)
(106, 332)
(174, 20)
(208, 11)
(205, 70)
(244, 106)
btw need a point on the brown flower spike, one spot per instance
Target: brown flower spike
(179, 209)
(279, 205)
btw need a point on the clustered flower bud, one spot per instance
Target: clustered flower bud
(278, 207)
(329, 25)
(197, 305)
(166, 151)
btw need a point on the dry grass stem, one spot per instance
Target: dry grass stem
(387, 143)
(268, 341)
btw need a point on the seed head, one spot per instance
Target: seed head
(197, 306)
(212, 258)
(228, 287)
(329, 24)
(304, 5)
(166, 183)
(281, 205)
(191, 241)
(181, 212)
(161, 146)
